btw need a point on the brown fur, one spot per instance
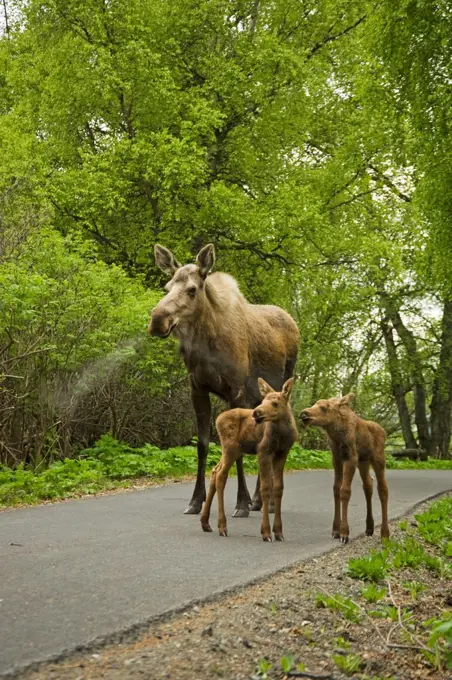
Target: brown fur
(226, 344)
(354, 443)
(269, 431)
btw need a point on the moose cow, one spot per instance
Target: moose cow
(354, 442)
(269, 431)
(226, 344)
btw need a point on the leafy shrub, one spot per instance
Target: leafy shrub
(372, 593)
(435, 525)
(348, 663)
(372, 567)
(74, 341)
(440, 641)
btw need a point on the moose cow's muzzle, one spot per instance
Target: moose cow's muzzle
(161, 323)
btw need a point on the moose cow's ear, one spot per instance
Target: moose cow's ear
(206, 259)
(287, 388)
(264, 387)
(347, 399)
(165, 260)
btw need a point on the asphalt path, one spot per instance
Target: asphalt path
(85, 569)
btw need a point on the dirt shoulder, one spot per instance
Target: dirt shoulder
(277, 624)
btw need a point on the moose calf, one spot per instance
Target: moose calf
(268, 431)
(354, 442)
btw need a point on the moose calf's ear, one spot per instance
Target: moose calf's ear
(347, 399)
(287, 388)
(165, 260)
(205, 259)
(264, 387)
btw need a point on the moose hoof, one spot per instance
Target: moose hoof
(206, 527)
(256, 505)
(335, 534)
(384, 534)
(193, 508)
(279, 537)
(241, 512)
(369, 532)
(224, 532)
(267, 539)
(344, 539)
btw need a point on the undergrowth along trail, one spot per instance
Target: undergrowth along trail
(110, 464)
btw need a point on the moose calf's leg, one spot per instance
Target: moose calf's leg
(243, 496)
(205, 515)
(349, 468)
(266, 477)
(278, 489)
(382, 486)
(221, 479)
(201, 403)
(337, 497)
(368, 489)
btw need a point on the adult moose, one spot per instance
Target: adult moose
(226, 344)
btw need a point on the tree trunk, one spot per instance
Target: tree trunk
(398, 388)
(416, 372)
(441, 406)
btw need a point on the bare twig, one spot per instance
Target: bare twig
(420, 646)
(384, 640)
(307, 674)
(26, 355)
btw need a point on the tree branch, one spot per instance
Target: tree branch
(390, 184)
(7, 28)
(330, 38)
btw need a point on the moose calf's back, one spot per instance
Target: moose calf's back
(370, 438)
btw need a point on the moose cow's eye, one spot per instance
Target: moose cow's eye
(275, 404)
(192, 291)
(323, 408)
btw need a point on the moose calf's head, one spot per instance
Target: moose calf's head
(185, 290)
(326, 412)
(275, 404)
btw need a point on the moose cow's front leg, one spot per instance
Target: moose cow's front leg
(201, 403)
(243, 496)
(242, 507)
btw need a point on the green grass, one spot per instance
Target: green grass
(422, 549)
(406, 464)
(339, 603)
(111, 464)
(434, 526)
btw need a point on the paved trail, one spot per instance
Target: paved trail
(73, 571)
